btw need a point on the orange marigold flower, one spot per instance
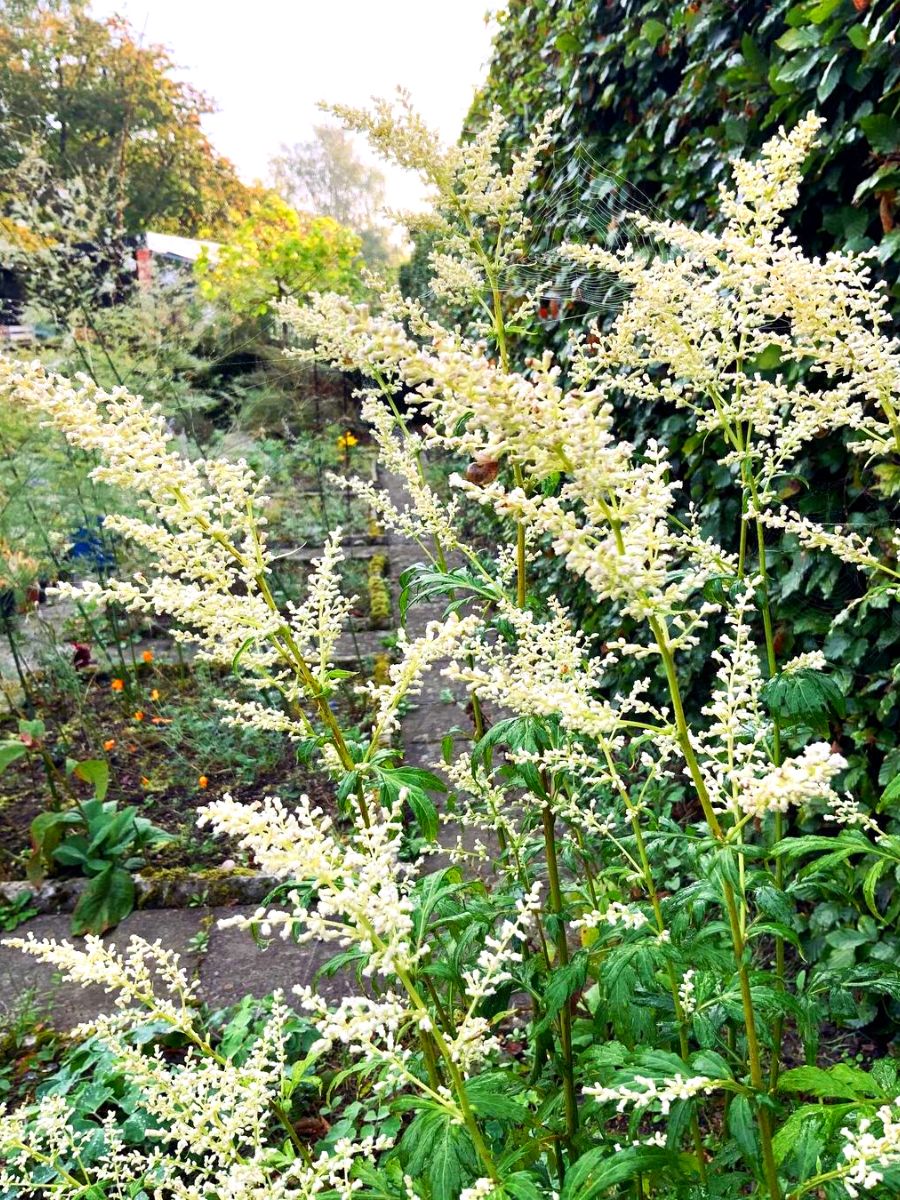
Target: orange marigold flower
(109, 744)
(117, 685)
(145, 782)
(202, 782)
(139, 716)
(154, 695)
(147, 656)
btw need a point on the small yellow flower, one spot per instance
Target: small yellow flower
(346, 440)
(154, 695)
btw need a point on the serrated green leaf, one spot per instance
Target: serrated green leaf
(742, 1127)
(522, 1187)
(564, 982)
(775, 929)
(711, 1064)
(422, 582)
(602, 1168)
(519, 733)
(841, 1082)
(890, 795)
(437, 1149)
(804, 697)
(873, 875)
(425, 813)
(418, 777)
(490, 1097)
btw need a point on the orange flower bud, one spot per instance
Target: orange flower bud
(202, 782)
(109, 744)
(117, 685)
(147, 656)
(139, 716)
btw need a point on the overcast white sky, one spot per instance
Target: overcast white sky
(268, 63)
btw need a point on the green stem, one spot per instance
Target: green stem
(680, 1015)
(779, 825)
(503, 351)
(731, 908)
(427, 1045)
(521, 568)
(562, 950)
(459, 1084)
(20, 672)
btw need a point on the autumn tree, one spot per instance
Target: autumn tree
(88, 97)
(279, 253)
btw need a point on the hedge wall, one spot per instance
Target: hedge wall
(662, 93)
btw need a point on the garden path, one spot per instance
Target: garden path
(226, 963)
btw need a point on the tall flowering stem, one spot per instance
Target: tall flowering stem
(595, 742)
(731, 908)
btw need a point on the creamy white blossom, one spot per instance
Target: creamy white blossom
(650, 1092)
(873, 1145)
(615, 913)
(361, 886)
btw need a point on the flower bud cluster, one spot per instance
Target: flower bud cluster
(360, 887)
(867, 1152)
(652, 1092)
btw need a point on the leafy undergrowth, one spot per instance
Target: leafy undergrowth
(168, 752)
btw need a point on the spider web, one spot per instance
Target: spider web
(588, 205)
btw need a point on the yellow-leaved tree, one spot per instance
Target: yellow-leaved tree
(278, 253)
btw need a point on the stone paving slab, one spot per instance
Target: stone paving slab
(235, 966)
(231, 967)
(24, 979)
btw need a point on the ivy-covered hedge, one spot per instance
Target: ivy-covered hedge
(662, 94)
